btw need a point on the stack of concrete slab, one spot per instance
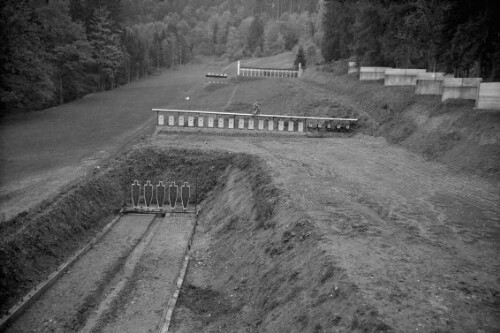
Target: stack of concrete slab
(372, 73)
(460, 88)
(488, 96)
(402, 76)
(429, 83)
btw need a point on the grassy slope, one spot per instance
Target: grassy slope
(56, 137)
(451, 132)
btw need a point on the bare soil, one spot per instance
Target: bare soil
(34, 244)
(70, 302)
(412, 248)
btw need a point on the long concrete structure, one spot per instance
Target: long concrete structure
(247, 121)
(372, 73)
(401, 76)
(488, 96)
(460, 88)
(429, 83)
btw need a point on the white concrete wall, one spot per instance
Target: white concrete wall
(401, 76)
(372, 73)
(429, 83)
(429, 87)
(488, 96)
(460, 88)
(352, 68)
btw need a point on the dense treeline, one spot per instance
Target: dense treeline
(59, 50)
(54, 51)
(455, 36)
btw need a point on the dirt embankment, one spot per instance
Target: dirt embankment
(451, 132)
(258, 266)
(35, 243)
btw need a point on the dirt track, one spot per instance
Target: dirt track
(122, 284)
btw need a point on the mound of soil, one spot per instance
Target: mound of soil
(35, 243)
(257, 266)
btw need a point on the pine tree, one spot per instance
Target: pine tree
(67, 48)
(300, 58)
(255, 34)
(234, 46)
(24, 70)
(106, 47)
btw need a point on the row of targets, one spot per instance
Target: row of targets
(143, 196)
(216, 78)
(328, 125)
(249, 123)
(252, 123)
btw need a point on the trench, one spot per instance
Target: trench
(256, 260)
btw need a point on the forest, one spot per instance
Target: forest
(55, 51)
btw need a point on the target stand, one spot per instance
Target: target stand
(164, 197)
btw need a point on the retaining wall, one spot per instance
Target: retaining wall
(401, 77)
(488, 96)
(460, 88)
(372, 73)
(429, 83)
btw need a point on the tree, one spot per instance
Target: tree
(273, 39)
(67, 48)
(257, 53)
(24, 70)
(337, 35)
(234, 47)
(106, 47)
(255, 34)
(244, 32)
(300, 58)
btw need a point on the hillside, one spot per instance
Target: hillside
(451, 132)
(328, 231)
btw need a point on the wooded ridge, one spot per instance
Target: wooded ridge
(54, 51)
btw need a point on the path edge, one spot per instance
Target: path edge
(41, 288)
(166, 317)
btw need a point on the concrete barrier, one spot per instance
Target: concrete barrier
(488, 96)
(372, 73)
(401, 76)
(352, 68)
(460, 88)
(429, 83)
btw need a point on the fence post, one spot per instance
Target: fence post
(238, 68)
(300, 69)
(477, 95)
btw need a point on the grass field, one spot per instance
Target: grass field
(42, 151)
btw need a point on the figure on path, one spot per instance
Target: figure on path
(256, 109)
